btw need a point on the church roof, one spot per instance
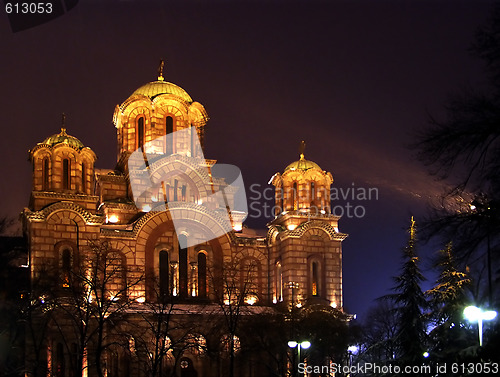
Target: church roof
(63, 137)
(156, 88)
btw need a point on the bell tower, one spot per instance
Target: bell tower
(63, 168)
(306, 245)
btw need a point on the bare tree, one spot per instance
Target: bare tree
(88, 303)
(463, 148)
(163, 334)
(380, 331)
(234, 289)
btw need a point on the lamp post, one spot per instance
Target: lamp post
(475, 314)
(302, 345)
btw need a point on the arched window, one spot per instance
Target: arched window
(315, 279)
(278, 288)
(164, 274)
(228, 342)
(176, 187)
(115, 275)
(84, 178)
(66, 267)
(45, 174)
(183, 193)
(313, 194)
(194, 140)
(140, 132)
(183, 266)
(280, 200)
(167, 192)
(169, 128)
(295, 196)
(250, 277)
(202, 275)
(66, 174)
(112, 364)
(196, 344)
(59, 364)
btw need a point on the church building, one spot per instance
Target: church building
(130, 265)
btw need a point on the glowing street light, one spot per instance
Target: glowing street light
(475, 314)
(302, 345)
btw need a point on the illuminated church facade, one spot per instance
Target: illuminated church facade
(89, 234)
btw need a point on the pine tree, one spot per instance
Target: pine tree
(410, 302)
(447, 300)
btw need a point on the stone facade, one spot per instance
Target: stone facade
(75, 207)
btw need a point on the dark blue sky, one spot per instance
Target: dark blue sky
(354, 79)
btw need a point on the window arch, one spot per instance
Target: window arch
(66, 178)
(164, 274)
(202, 275)
(140, 132)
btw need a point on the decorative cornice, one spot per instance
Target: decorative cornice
(43, 214)
(132, 233)
(275, 230)
(65, 196)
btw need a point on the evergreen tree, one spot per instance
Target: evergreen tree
(409, 302)
(448, 299)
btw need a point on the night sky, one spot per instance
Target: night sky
(355, 79)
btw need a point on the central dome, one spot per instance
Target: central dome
(156, 88)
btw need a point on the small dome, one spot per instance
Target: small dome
(303, 165)
(156, 88)
(63, 137)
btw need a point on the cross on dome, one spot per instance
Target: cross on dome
(160, 70)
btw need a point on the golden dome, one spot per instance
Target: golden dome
(63, 137)
(303, 165)
(156, 88)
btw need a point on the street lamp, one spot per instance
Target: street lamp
(475, 314)
(302, 345)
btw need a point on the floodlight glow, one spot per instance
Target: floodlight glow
(475, 314)
(472, 313)
(353, 349)
(305, 345)
(489, 315)
(292, 344)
